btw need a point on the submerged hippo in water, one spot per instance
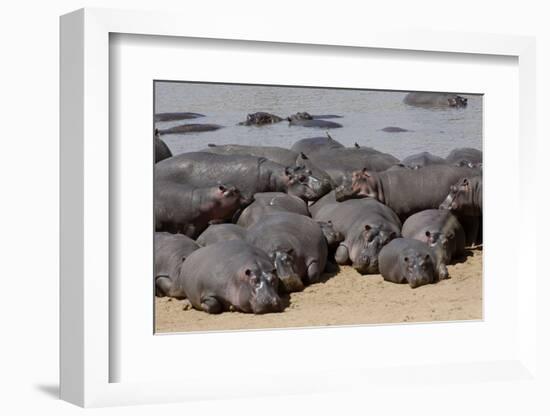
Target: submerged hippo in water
(392, 129)
(440, 230)
(405, 260)
(171, 250)
(229, 275)
(176, 116)
(306, 120)
(249, 174)
(162, 151)
(190, 128)
(221, 232)
(422, 159)
(435, 99)
(185, 209)
(260, 118)
(465, 156)
(296, 246)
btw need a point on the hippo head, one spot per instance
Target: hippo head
(458, 101)
(324, 184)
(300, 116)
(363, 184)
(283, 260)
(417, 269)
(332, 236)
(366, 248)
(300, 182)
(461, 198)
(257, 291)
(440, 244)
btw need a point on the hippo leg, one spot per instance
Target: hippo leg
(342, 255)
(163, 285)
(211, 305)
(313, 272)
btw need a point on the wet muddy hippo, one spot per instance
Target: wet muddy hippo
(405, 260)
(314, 144)
(162, 151)
(296, 246)
(185, 209)
(466, 156)
(221, 232)
(279, 155)
(249, 174)
(229, 275)
(170, 252)
(260, 119)
(190, 128)
(435, 99)
(440, 230)
(465, 200)
(408, 191)
(176, 116)
(366, 224)
(392, 129)
(422, 159)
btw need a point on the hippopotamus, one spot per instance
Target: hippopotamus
(408, 191)
(366, 224)
(324, 124)
(162, 151)
(419, 160)
(440, 230)
(260, 118)
(276, 154)
(271, 202)
(221, 232)
(435, 99)
(314, 144)
(392, 129)
(181, 208)
(249, 173)
(465, 200)
(190, 128)
(340, 163)
(170, 252)
(465, 156)
(296, 246)
(229, 275)
(176, 116)
(406, 260)
(324, 116)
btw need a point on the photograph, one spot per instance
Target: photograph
(305, 206)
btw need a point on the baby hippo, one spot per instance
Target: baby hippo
(229, 275)
(440, 230)
(221, 232)
(405, 260)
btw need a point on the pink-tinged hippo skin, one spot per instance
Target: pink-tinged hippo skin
(408, 191)
(435, 99)
(229, 275)
(438, 228)
(221, 232)
(367, 226)
(250, 174)
(422, 159)
(295, 244)
(465, 156)
(315, 144)
(406, 260)
(465, 200)
(171, 250)
(189, 210)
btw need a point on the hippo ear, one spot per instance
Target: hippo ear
(367, 227)
(465, 182)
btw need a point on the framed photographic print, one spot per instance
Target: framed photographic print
(304, 211)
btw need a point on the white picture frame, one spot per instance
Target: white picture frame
(86, 354)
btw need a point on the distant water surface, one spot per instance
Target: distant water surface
(365, 113)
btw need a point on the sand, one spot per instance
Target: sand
(344, 297)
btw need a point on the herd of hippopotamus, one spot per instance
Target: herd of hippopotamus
(239, 227)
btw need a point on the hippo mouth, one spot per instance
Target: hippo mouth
(366, 267)
(292, 283)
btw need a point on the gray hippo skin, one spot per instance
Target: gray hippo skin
(408, 191)
(296, 246)
(221, 232)
(268, 203)
(162, 151)
(466, 156)
(260, 119)
(440, 230)
(314, 144)
(176, 116)
(422, 159)
(170, 252)
(306, 120)
(405, 260)
(279, 155)
(249, 173)
(392, 129)
(229, 275)
(190, 128)
(435, 99)
(189, 210)
(465, 200)
(366, 224)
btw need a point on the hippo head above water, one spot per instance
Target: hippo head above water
(284, 262)
(258, 289)
(365, 249)
(300, 182)
(300, 116)
(458, 101)
(362, 184)
(225, 200)
(416, 268)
